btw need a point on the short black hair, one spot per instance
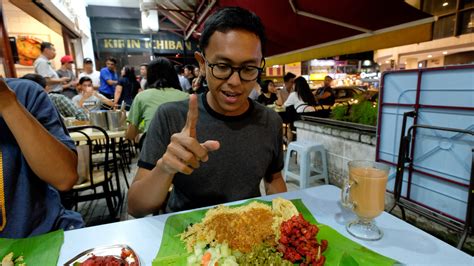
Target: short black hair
(144, 64)
(265, 84)
(288, 76)
(36, 78)
(84, 79)
(111, 59)
(232, 18)
(45, 45)
(178, 69)
(189, 67)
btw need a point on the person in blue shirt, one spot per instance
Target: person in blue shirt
(37, 159)
(108, 78)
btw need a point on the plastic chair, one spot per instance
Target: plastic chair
(304, 150)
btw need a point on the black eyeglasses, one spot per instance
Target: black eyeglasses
(225, 71)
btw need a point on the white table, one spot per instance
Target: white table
(401, 241)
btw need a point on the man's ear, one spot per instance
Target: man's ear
(202, 63)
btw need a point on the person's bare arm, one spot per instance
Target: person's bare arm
(132, 132)
(118, 93)
(184, 154)
(325, 95)
(104, 99)
(111, 82)
(279, 100)
(277, 185)
(54, 81)
(49, 159)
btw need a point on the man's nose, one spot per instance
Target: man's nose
(234, 79)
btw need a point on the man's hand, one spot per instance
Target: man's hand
(7, 96)
(88, 94)
(64, 80)
(184, 153)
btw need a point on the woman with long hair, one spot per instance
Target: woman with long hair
(162, 86)
(301, 98)
(127, 87)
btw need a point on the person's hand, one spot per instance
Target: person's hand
(88, 94)
(184, 153)
(7, 96)
(64, 80)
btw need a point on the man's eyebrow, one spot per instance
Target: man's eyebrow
(229, 61)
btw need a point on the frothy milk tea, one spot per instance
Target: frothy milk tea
(368, 191)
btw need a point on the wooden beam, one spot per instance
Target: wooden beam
(6, 55)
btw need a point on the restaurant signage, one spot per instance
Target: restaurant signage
(294, 68)
(370, 75)
(161, 45)
(316, 62)
(274, 71)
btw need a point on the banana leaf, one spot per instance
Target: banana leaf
(37, 250)
(341, 250)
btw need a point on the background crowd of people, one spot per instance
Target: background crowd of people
(162, 100)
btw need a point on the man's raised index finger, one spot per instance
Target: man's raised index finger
(192, 116)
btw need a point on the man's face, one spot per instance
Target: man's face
(88, 67)
(289, 84)
(86, 86)
(327, 82)
(187, 73)
(143, 71)
(69, 65)
(50, 53)
(110, 65)
(196, 72)
(237, 48)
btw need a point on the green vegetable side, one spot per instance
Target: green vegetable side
(341, 250)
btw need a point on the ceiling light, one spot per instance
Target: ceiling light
(445, 52)
(386, 62)
(445, 3)
(429, 56)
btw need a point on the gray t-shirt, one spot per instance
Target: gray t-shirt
(43, 67)
(250, 149)
(92, 103)
(67, 73)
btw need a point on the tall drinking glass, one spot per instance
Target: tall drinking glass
(364, 193)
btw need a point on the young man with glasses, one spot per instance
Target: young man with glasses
(217, 146)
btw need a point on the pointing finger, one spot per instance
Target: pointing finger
(192, 117)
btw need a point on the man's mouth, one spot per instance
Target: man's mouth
(231, 97)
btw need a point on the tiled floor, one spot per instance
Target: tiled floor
(96, 212)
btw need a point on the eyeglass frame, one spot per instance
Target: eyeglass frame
(234, 69)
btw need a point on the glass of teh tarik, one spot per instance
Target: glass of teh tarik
(364, 194)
